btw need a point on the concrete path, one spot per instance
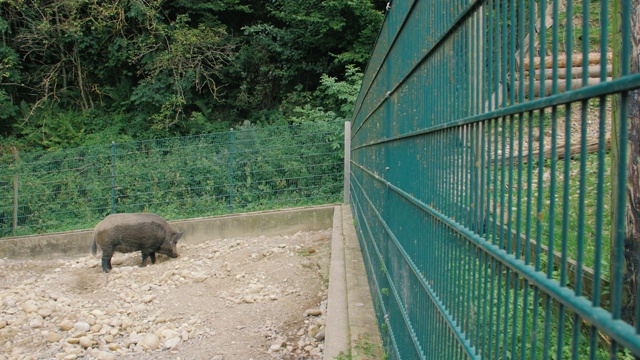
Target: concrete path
(352, 331)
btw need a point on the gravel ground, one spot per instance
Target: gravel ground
(242, 298)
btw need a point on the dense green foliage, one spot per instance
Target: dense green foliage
(79, 72)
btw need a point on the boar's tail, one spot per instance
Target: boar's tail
(94, 246)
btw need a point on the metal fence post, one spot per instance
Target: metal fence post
(347, 160)
(113, 177)
(231, 136)
(15, 204)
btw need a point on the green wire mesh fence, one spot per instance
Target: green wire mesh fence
(486, 174)
(247, 169)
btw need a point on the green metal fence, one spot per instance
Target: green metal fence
(246, 169)
(482, 169)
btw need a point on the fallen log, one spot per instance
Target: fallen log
(576, 61)
(592, 146)
(548, 85)
(593, 71)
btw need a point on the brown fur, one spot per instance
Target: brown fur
(144, 232)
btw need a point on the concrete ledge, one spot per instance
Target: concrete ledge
(352, 330)
(366, 342)
(337, 337)
(197, 230)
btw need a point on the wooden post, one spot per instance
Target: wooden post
(626, 297)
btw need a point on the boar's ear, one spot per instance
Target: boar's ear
(176, 237)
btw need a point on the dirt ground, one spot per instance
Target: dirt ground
(242, 298)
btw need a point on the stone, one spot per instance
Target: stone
(82, 326)
(148, 298)
(45, 312)
(313, 312)
(54, 337)
(135, 338)
(66, 325)
(85, 342)
(104, 355)
(172, 342)
(36, 323)
(113, 346)
(320, 335)
(3, 323)
(151, 341)
(29, 307)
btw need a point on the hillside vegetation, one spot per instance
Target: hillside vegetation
(81, 72)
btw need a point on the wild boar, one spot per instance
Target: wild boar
(148, 233)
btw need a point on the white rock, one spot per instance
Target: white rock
(172, 342)
(166, 276)
(45, 312)
(151, 341)
(254, 288)
(135, 338)
(66, 325)
(313, 312)
(85, 342)
(3, 323)
(36, 322)
(53, 337)
(29, 307)
(96, 328)
(104, 355)
(82, 326)
(148, 298)
(167, 333)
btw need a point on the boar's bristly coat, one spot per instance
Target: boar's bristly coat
(144, 232)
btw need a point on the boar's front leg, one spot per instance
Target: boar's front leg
(144, 259)
(106, 261)
(145, 255)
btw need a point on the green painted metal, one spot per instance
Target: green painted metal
(248, 169)
(481, 185)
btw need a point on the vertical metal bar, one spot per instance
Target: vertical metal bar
(113, 177)
(15, 204)
(347, 161)
(231, 139)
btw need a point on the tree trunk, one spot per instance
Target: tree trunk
(631, 193)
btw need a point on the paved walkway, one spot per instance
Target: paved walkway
(352, 331)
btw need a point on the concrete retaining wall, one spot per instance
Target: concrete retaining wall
(278, 222)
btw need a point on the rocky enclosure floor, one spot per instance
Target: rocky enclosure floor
(242, 298)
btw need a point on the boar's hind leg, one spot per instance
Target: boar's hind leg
(153, 257)
(106, 261)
